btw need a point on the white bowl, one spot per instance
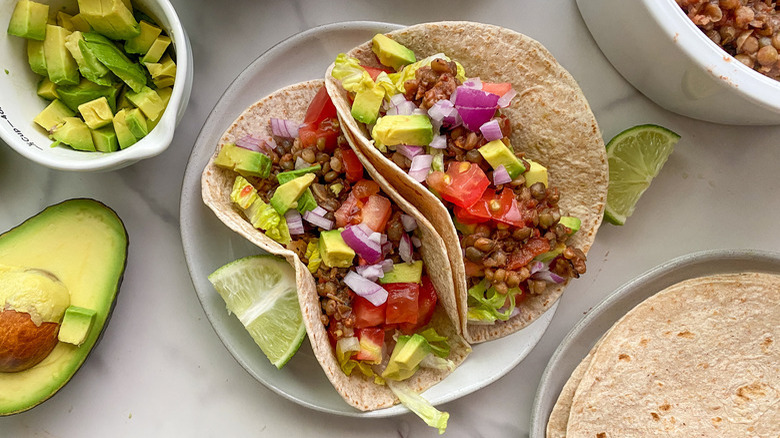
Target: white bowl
(19, 103)
(657, 48)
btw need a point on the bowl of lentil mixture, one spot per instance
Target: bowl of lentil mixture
(713, 60)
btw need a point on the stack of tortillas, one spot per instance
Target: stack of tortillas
(699, 359)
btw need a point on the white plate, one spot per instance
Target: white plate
(208, 244)
(576, 345)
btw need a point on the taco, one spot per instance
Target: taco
(493, 141)
(362, 254)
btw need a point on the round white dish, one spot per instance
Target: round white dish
(208, 244)
(659, 50)
(578, 342)
(19, 103)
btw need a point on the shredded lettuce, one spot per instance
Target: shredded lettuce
(439, 345)
(266, 218)
(353, 76)
(313, 254)
(485, 304)
(244, 193)
(345, 348)
(420, 406)
(438, 363)
(409, 71)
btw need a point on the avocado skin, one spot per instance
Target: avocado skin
(32, 232)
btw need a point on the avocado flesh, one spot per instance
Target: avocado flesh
(64, 239)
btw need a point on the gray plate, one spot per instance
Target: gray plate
(576, 345)
(208, 244)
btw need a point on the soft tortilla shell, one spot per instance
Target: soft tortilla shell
(216, 184)
(699, 358)
(551, 122)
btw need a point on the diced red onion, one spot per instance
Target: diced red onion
(443, 112)
(359, 240)
(408, 222)
(367, 289)
(473, 83)
(294, 222)
(419, 111)
(387, 248)
(317, 220)
(300, 163)
(319, 211)
(420, 167)
(251, 143)
(501, 176)
(387, 265)
(284, 128)
(409, 151)
(506, 99)
(416, 241)
(536, 267)
(404, 108)
(474, 117)
(405, 248)
(491, 130)
(397, 99)
(548, 276)
(471, 97)
(439, 142)
(271, 143)
(376, 237)
(371, 272)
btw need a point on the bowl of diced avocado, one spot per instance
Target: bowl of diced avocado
(92, 85)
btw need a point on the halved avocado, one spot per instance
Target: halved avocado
(83, 243)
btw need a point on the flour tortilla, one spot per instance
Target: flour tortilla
(701, 358)
(551, 122)
(217, 183)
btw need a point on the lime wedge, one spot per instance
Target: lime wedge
(635, 157)
(261, 292)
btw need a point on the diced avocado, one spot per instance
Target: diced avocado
(123, 134)
(80, 24)
(60, 65)
(155, 53)
(334, 251)
(571, 222)
(85, 91)
(36, 57)
(53, 115)
(76, 325)
(65, 20)
(164, 81)
(148, 101)
(545, 257)
(286, 195)
(96, 113)
(74, 133)
(28, 20)
(166, 67)
(89, 66)
(365, 107)
(306, 202)
(244, 193)
(165, 94)
(264, 217)
(391, 53)
(243, 161)
(466, 229)
(413, 129)
(105, 139)
(109, 54)
(136, 122)
(409, 351)
(111, 18)
(47, 89)
(535, 173)
(404, 273)
(122, 102)
(497, 153)
(143, 42)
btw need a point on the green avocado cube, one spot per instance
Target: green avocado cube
(60, 65)
(136, 122)
(365, 107)
(306, 202)
(535, 173)
(165, 95)
(123, 133)
(415, 129)
(148, 101)
(96, 113)
(143, 42)
(286, 195)
(571, 222)
(404, 273)
(80, 24)
(109, 55)
(105, 139)
(89, 66)
(47, 89)
(28, 20)
(406, 357)
(85, 91)
(243, 161)
(65, 20)
(76, 325)
(155, 53)
(36, 57)
(74, 133)
(164, 81)
(111, 18)
(53, 115)
(497, 153)
(391, 53)
(334, 251)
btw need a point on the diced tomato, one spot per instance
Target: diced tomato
(371, 342)
(376, 212)
(352, 165)
(499, 88)
(367, 314)
(523, 256)
(402, 305)
(473, 269)
(426, 304)
(349, 212)
(463, 184)
(507, 210)
(478, 212)
(320, 123)
(365, 188)
(320, 108)
(374, 71)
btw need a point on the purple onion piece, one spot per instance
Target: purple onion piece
(491, 130)
(501, 176)
(408, 222)
(367, 289)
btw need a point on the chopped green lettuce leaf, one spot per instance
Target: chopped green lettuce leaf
(352, 75)
(409, 71)
(438, 343)
(420, 406)
(438, 363)
(485, 304)
(266, 218)
(313, 254)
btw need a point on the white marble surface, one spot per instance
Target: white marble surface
(161, 371)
